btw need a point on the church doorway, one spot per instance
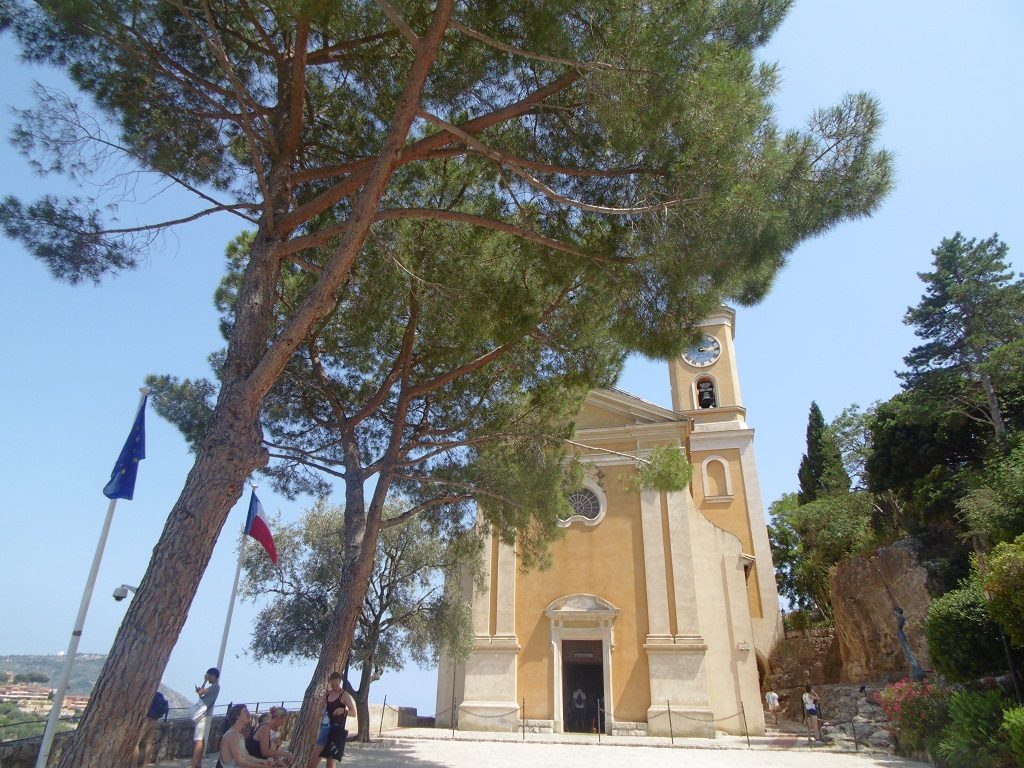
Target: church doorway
(582, 685)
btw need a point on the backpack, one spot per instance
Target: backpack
(159, 707)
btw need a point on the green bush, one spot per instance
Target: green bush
(1013, 728)
(963, 640)
(918, 712)
(1005, 584)
(973, 737)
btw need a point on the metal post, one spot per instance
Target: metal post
(522, 714)
(76, 634)
(383, 709)
(451, 713)
(671, 735)
(746, 730)
(600, 711)
(853, 724)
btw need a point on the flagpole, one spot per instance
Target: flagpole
(231, 603)
(227, 620)
(76, 633)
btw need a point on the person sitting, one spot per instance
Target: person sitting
(263, 742)
(232, 744)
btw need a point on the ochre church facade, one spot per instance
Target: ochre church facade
(659, 610)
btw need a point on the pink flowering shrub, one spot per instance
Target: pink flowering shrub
(918, 712)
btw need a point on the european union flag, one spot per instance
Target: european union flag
(122, 479)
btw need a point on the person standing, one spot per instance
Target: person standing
(772, 700)
(579, 709)
(158, 709)
(338, 705)
(812, 709)
(208, 692)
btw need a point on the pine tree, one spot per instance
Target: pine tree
(626, 150)
(972, 320)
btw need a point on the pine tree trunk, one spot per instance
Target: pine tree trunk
(995, 412)
(338, 641)
(117, 707)
(230, 451)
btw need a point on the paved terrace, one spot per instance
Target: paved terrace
(437, 748)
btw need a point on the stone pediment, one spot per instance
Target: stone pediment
(580, 605)
(614, 408)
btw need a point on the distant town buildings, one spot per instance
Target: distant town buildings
(37, 698)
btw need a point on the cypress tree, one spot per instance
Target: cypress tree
(821, 468)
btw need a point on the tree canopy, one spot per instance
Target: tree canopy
(972, 308)
(413, 608)
(620, 159)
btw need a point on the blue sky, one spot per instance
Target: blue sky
(948, 76)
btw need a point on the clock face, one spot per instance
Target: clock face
(704, 353)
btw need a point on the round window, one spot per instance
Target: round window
(585, 503)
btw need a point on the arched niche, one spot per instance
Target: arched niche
(716, 479)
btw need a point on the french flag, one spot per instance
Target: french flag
(256, 526)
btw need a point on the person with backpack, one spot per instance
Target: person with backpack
(158, 710)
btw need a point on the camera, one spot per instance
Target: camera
(120, 593)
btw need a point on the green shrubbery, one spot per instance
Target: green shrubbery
(1005, 585)
(1013, 728)
(957, 728)
(963, 639)
(973, 737)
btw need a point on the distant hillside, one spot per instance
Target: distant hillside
(84, 673)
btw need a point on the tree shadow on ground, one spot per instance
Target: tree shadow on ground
(385, 754)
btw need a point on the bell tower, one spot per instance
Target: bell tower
(706, 388)
(704, 379)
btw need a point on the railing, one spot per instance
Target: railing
(174, 713)
(6, 728)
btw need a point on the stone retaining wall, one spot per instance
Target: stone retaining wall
(172, 739)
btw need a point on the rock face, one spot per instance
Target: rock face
(864, 592)
(852, 718)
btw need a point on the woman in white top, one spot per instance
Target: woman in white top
(812, 710)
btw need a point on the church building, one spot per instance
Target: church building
(659, 610)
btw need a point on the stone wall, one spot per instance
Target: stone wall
(804, 657)
(172, 739)
(864, 591)
(851, 713)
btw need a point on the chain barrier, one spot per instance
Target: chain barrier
(495, 716)
(694, 719)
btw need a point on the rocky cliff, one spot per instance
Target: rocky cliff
(864, 592)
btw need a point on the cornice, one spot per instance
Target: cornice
(620, 401)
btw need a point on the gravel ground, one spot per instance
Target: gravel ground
(423, 748)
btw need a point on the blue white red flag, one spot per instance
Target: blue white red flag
(256, 526)
(122, 480)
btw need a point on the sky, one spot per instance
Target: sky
(948, 76)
